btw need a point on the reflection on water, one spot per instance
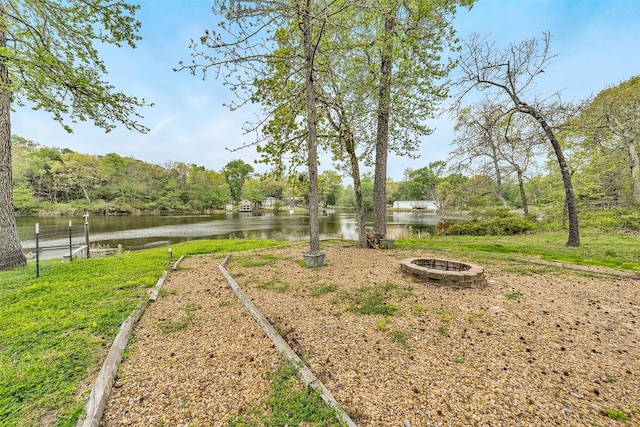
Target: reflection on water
(144, 231)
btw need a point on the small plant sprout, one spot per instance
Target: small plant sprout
(374, 300)
(383, 324)
(515, 295)
(445, 315)
(610, 378)
(399, 336)
(250, 261)
(320, 290)
(616, 414)
(443, 331)
(287, 402)
(274, 285)
(459, 360)
(475, 315)
(419, 309)
(169, 326)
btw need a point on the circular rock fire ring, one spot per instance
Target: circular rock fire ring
(445, 272)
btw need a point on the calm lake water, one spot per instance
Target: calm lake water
(136, 232)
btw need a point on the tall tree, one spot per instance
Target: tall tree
(511, 74)
(236, 172)
(254, 190)
(340, 112)
(344, 110)
(329, 187)
(374, 58)
(384, 112)
(423, 182)
(79, 174)
(519, 144)
(48, 58)
(476, 143)
(246, 48)
(612, 121)
(409, 40)
(306, 21)
(492, 142)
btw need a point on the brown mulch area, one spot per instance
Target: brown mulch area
(538, 346)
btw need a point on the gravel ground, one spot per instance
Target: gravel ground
(538, 346)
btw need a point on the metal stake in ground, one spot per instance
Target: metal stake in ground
(70, 252)
(86, 232)
(37, 249)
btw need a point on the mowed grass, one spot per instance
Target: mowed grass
(596, 249)
(55, 330)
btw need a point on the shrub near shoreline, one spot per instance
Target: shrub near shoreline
(504, 222)
(497, 222)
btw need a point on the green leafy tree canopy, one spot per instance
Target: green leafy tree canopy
(49, 59)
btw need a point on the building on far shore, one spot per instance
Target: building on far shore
(428, 205)
(269, 202)
(245, 206)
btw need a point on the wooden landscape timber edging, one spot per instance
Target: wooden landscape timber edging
(101, 389)
(306, 375)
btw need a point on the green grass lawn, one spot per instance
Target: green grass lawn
(55, 330)
(597, 249)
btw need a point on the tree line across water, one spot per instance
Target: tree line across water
(495, 160)
(485, 169)
(49, 180)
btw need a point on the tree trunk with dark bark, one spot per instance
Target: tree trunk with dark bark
(496, 167)
(570, 199)
(357, 190)
(11, 255)
(382, 137)
(314, 218)
(523, 194)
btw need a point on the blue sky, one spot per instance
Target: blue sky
(597, 42)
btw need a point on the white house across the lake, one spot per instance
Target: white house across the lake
(245, 206)
(428, 205)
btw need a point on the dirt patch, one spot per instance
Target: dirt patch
(554, 348)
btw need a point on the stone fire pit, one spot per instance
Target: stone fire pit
(445, 272)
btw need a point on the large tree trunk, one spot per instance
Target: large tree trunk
(523, 194)
(496, 167)
(86, 194)
(11, 255)
(382, 137)
(314, 219)
(357, 189)
(570, 199)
